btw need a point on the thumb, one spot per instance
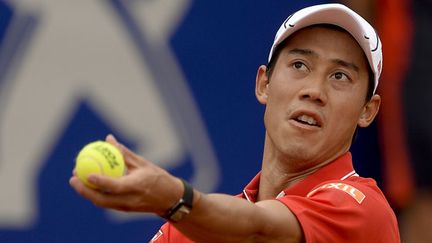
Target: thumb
(106, 183)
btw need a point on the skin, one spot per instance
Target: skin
(321, 72)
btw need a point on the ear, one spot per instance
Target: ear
(261, 86)
(370, 110)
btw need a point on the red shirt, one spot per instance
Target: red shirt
(333, 204)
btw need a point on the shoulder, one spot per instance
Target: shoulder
(354, 189)
(349, 209)
(360, 195)
(356, 194)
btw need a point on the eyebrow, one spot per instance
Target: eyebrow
(346, 64)
(306, 52)
(340, 62)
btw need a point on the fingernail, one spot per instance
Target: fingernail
(92, 179)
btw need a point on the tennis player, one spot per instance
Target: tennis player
(318, 88)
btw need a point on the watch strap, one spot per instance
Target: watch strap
(183, 206)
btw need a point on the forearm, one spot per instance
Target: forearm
(224, 218)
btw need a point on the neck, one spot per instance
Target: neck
(280, 171)
(274, 180)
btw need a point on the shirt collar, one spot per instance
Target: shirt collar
(339, 169)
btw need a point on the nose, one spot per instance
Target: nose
(314, 91)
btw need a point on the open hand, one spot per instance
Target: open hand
(145, 187)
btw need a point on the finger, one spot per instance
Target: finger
(130, 159)
(108, 184)
(97, 197)
(123, 149)
(133, 159)
(111, 139)
(78, 185)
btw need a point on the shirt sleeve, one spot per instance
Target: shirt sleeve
(340, 212)
(169, 234)
(161, 235)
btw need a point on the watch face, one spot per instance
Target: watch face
(181, 212)
(183, 206)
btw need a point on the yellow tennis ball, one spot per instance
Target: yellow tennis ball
(99, 158)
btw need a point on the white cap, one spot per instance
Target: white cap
(342, 16)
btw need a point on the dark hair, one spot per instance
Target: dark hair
(280, 47)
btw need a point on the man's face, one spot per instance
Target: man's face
(315, 96)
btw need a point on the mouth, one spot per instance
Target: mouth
(307, 119)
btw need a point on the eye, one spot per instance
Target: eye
(299, 66)
(341, 76)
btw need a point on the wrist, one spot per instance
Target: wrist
(182, 206)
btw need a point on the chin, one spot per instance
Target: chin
(301, 155)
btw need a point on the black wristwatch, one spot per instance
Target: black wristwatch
(183, 206)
